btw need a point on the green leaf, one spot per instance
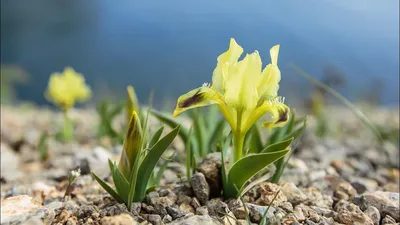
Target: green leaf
(109, 189)
(189, 155)
(42, 146)
(120, 182)
(297, 133)
(156, 137)
(280, 164)
(146, 127)
(150, 161)
(246, 168)
(255, 143)
(216, 133)
(223, 169)
(278, 146)
(160, 172)
(200, 134)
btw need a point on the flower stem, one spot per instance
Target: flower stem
(67, 133)
(238, 140)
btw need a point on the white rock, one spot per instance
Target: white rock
(9, 164)
(18, 209)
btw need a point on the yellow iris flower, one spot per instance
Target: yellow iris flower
(243, 92)
(66, 88)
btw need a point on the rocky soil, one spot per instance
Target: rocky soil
(346, 179)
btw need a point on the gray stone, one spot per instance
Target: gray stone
(136, 207)
(211, 168)
(363, 184)
(195, 203)
(218, 208)
(315, 198)
(388, 220)
(196, 220)
(386, 202)
(200, 187)
(373, 213)
(257, 212)
(349, 213)
(304, 212)
(167, 219)
(202, 210)
(298, 213)
(267, 192)
(86, 211)
(186, 208)
(151, 196)
(123, 219)
(345, 191)
(293, 194)
(154, 219)
(174, 212)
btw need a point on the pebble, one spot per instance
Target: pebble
(202, 210)
(154, 219)
(349, 213)
(362, 184)
(267, 192)
(373, 213)
(167, 219)
(386, 202)
(123, 219)
(211, 168)
(345, 191)
(175, 213)
(388, 220)
(293, 194)
(216, 207)
(315, 197)
(257, 212)
(200, 187)
(196, 220)
(186, 208)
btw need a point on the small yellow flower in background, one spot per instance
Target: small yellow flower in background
(67, 88)
(243, 92)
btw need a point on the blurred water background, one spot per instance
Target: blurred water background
(171, 47)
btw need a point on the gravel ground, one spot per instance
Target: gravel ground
(345, 179)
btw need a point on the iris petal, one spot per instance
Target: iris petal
(230, 57)
(200, 97)
(277, 111)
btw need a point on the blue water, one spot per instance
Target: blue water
(171, 46)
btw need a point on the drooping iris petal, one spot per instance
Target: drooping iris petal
(230, 57)
(200, 97)
(276, 110)
(132, 145)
